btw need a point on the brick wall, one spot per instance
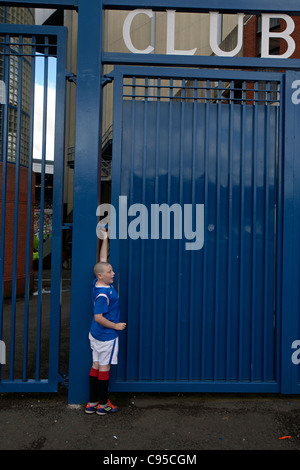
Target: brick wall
(22, 228)
(295, 36)
(250, 44)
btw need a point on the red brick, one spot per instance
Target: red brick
(22, 228)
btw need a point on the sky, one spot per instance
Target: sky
(39, 107)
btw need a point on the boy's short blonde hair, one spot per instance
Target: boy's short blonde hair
(100, 266)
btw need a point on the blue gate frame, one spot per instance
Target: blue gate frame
(290, 378)
(213, 325)
(88, 138)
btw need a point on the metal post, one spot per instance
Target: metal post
(291, 229)
(86, 191)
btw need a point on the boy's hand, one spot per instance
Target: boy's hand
(103, 232)
(120, 326)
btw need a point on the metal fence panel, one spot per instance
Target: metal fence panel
(30, 323)
(200, 319)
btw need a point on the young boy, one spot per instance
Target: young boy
(103, 334)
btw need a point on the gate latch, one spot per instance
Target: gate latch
(71, 77)
(105, 80)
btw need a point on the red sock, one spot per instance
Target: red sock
(103, 374)
(94, 372)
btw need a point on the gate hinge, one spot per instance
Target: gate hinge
(63, 379)
(71, 77)
(105, 80)
(66, 226)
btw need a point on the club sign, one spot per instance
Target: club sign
(266, 35)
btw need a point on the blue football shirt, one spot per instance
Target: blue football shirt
(106, 301)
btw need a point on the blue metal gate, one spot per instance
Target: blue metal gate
(201, 294)
(219, 145)
(30, 56)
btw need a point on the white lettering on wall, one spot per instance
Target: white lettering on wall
(126, 31)
(171, 37)
(266, 35)
(214, 35)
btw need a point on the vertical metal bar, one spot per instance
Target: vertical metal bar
(179, 339)
(29, 214)
(242, 209)
(168, 242)
(192, 256)
(86, 181)
(142, 276)
(279, 226)
(155, 263)
(206, 201)
(42, 203)
(57, 217)
(217, 265)
(266, 233)
(254, 218)
(229, 338)
(130, 248)
(4, 180)
(16, 213)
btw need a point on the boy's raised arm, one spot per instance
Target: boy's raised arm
(103, 248)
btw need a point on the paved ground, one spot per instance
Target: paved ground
(151, 422)
(145, 422)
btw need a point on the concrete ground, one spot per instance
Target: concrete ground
(145, 422)
(151, 422)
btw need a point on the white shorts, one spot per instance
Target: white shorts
(104, 352)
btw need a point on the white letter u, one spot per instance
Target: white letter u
(213, 34)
